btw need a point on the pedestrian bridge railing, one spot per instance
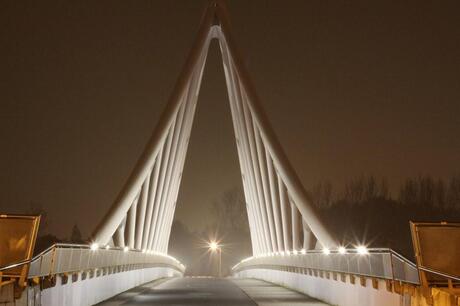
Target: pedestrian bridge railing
(375, 263)
(71, 258)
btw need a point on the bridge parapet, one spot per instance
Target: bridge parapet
(78, 275)
(377, 263)
(69, 258)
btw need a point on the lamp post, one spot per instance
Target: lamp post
(215, 247)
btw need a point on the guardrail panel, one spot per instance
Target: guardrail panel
(378, 263)
(75, 258)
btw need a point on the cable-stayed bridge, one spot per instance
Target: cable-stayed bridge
(291, 244)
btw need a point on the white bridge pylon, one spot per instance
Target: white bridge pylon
(281, 214)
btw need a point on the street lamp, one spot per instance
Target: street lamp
(215, 247)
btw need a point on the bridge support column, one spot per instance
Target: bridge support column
(131, 225)
(296, 227)
(151, 200)
(272, 180)
(263, 176)
(190, 102)
(285, 215)
(142, 208)
(161, 187)
(246, 150)
(288, 175)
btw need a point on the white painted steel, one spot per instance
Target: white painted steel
(244, 154)
(118, 210)
(296, 228)
(150, 205)
(296, 190)
(273, 184)
(141, 210)
(130, 227)
(148, 199)
(285, 215)
(260, 150)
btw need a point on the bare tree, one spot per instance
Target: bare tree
(322, 194)
(440, 194)
(75, 235)
(453, 193)
(230, 211)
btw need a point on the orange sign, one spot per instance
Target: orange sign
(17, 241)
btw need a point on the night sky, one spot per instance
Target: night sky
(350, 88)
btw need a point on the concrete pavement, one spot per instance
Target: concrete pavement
(210, 291)
(267, 294)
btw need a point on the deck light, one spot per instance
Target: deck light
(362, 250)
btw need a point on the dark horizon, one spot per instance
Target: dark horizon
(359, 90)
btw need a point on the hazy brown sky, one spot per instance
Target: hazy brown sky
(350, 87)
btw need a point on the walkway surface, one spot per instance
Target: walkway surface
(210, 291)
(268, 294)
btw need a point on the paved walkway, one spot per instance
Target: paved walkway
(268, 294)
(210, 291)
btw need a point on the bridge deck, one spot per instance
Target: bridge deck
(268, 294)
(210, 291)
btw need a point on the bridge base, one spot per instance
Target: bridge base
(334, 292)
(85, 291)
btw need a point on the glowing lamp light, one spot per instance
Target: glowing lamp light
(125, 249)
(303, 251)
(342, 250)
(94, 246)
(294, 252)
(326, 251)
(213, 246)
(362, 250)
(107, 247)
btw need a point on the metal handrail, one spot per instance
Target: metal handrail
(389, 264)
(53, 259)
(16, 264)
(443, 274)
(408, 261)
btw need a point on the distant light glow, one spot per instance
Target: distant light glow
(362, 250)
(294, 252)
(107, 247)
(303, 251)
(342, 250)
(213, 246)
(125, 249)
(94, 246)
(326, 251)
